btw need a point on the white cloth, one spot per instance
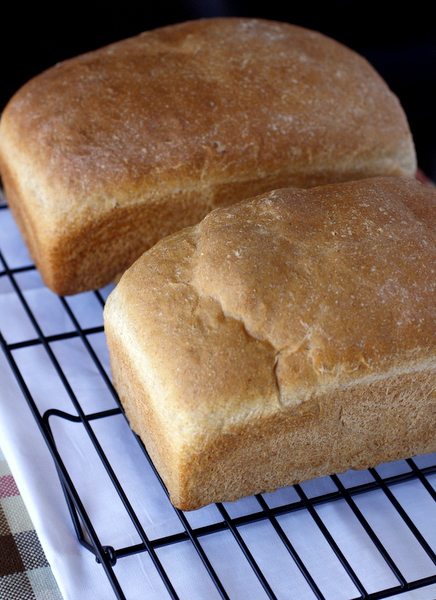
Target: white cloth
(78, 575)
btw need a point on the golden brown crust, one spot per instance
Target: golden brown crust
(283, 338)
(165, 126)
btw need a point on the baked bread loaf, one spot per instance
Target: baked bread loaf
(104, 154)
(286, 337)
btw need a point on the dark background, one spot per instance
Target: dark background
(399, 39)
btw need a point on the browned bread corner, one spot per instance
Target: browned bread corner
(104, 154)
(287, 337)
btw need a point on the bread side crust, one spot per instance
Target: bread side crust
(284, 338)
(350, 427)
(166, 126)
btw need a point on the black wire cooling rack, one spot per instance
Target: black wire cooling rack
(388, 565)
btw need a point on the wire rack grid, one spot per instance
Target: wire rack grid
(361, 535)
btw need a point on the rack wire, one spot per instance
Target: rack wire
(333, 511)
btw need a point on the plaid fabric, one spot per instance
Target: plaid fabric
(24, 571)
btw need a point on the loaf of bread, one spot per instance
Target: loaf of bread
(286, 337)
(106, 153)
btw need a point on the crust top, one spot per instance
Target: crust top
(213, 95)
(325, 285)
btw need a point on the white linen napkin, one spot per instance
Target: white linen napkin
(78, 575)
